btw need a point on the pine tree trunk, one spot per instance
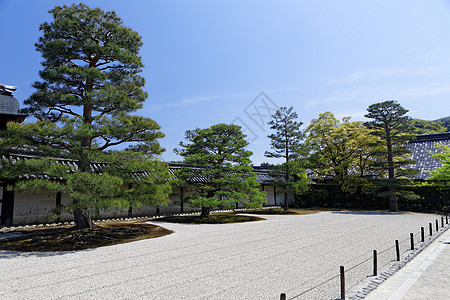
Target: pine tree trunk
(82, 218)
(393, 203)
(205, 211)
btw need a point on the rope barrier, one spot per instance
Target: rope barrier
(357, 265)
(314, 287)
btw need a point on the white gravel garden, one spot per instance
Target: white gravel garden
(255, 260)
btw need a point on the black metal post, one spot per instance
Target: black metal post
(437, 225)
(442, 222)
(283, 296)
(422, 234)
(375, 263)
(397, 250)
(431, 229)
(342, 282)
(411, 236)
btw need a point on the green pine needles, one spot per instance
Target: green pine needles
(84, 105)
(225, 176)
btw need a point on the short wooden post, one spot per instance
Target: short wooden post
(283, 296)
(431, 229)
(437, 225)
(422, 234)
(442, 222)
(375, 262)
(342, 282)
(411, 236)
(397, 250)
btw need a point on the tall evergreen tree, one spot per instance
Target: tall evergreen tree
(90, 85)
(287, 143)
(224, 175)
(394, 128)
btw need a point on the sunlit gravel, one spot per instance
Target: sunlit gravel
(258, 260)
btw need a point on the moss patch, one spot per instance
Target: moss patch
(280, 211)
(219, 218)
(65, 238)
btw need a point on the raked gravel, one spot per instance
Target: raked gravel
(257, 260)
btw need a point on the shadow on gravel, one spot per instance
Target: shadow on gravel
(375, 213)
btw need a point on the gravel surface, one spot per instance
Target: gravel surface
(256, 260)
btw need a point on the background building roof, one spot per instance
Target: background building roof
(420, 152)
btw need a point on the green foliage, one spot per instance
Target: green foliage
(216, 218)
(391, 124)
(394, 128)
(90, 85)
(226, 175)
(446, 122)
(427, 127)
(342, 151)
(287, 143)
(443, 156)
(433, 196)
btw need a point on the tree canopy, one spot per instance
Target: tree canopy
(90, 86)
(224, 167)
(427, 127)
(391, 124)
(287, 143)
(443, 156)
(342, 151)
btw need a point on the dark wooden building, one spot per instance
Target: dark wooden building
(9, 112)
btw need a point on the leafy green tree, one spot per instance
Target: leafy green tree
(446, 122)
(343, 151)
(287, 143)
(90, 86)
(391, 124)
(427, 127)
(224, 175)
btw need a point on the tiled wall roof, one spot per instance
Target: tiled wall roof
(420, 152)
(262, 175)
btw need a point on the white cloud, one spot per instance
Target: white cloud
(383, 73)
(368, 95)
(193, 100)
(189, 101)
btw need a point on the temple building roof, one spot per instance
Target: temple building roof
(421, 147)
(9, 106)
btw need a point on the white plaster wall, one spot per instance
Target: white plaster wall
(33, 208)
(279, 197)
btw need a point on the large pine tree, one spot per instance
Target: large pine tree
(287, 143)
(394, 128)
(224, 174)
(90, 86)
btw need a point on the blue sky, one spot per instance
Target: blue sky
(207, 62)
